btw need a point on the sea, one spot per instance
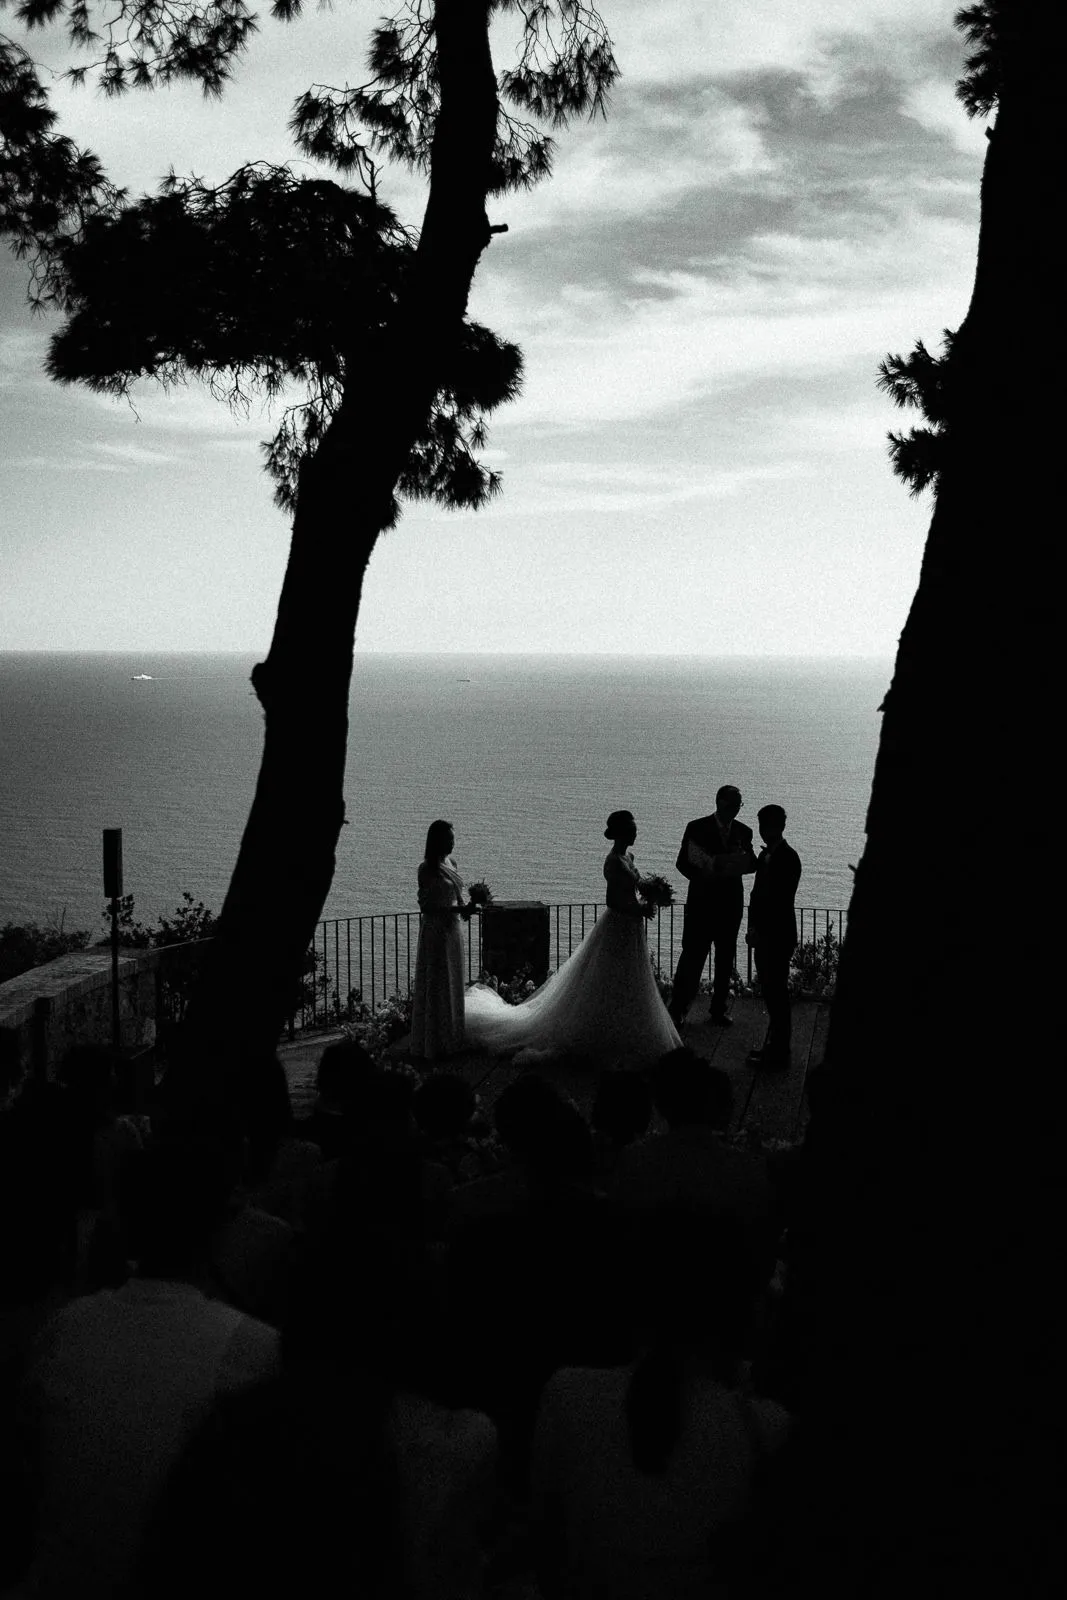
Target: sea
(525, 755)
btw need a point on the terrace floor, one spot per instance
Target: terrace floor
(771, 1103)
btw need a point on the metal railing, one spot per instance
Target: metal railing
(364, 961)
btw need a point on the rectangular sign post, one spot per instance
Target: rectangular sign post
(113, 893)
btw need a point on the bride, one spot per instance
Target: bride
(603, 1001)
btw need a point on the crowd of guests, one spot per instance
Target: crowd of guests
(378, 1346)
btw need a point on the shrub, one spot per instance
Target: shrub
(26, 945)
(190, 921)
(814, 964)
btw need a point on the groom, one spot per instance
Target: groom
(716, 851)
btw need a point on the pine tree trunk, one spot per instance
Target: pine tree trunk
(926, 1286)
(286, 861)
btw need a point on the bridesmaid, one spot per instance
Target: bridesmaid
(437, 1011)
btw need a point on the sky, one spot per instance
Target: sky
(782, 192)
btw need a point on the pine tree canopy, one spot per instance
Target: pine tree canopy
(47, 185)
(565, 68)
(921, 379)
(268, 279)
(986, 27)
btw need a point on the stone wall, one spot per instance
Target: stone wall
(68, 1001)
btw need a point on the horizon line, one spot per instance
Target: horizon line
(607, 655)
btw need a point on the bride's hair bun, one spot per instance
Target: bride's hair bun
(616, 822)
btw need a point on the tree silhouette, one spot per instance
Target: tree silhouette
(265, 281)
(48, 186)
(921, 380)
(921, 1271)
(371, 321)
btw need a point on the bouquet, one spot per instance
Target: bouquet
(479, 894)
(656, 891)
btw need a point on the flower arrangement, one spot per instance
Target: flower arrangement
(475, 1153)
(751, 1140)
(479, 894)
(377, 1030)
(656, 891)
(514, 989)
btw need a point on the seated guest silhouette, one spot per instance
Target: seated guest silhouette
(343, 1067)
(622, 1114)
(691, 1164)
(117, 1381)
(641, 1474)
(772, 932)
(716, 852)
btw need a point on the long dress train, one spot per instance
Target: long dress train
(437, 1003)
(601, 1004)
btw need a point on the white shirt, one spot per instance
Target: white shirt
(446, 1462)
(116, 1383)
(635, 1535)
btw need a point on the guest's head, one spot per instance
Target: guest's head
(543, 1131)
(381, 1105)
(771, 821)
(341, 1068)
(562, 1149)
(688, 1091)
(522, 1110)
(728, 801)
(173, 1196)
(621, 827)
(622, 1109)
(444, 1106)
(440, 841)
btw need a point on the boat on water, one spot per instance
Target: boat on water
(141, 677)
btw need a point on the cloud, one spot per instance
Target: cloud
(584, 487)
(651, 41)
(65, 464)
(21, 354)
(117, 458)
(933, 105)
(186, 408)
(782, 192)
(803, 307)
(136, 455)
(847, 226)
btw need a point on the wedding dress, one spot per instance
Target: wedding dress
(602, 1003)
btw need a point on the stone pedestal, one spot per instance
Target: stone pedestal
(515, 935)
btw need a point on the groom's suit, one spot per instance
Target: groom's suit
(713, 910)
(772, 921)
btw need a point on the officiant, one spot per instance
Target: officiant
(716, 853)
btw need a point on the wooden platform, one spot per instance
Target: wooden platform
(772, 1103)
